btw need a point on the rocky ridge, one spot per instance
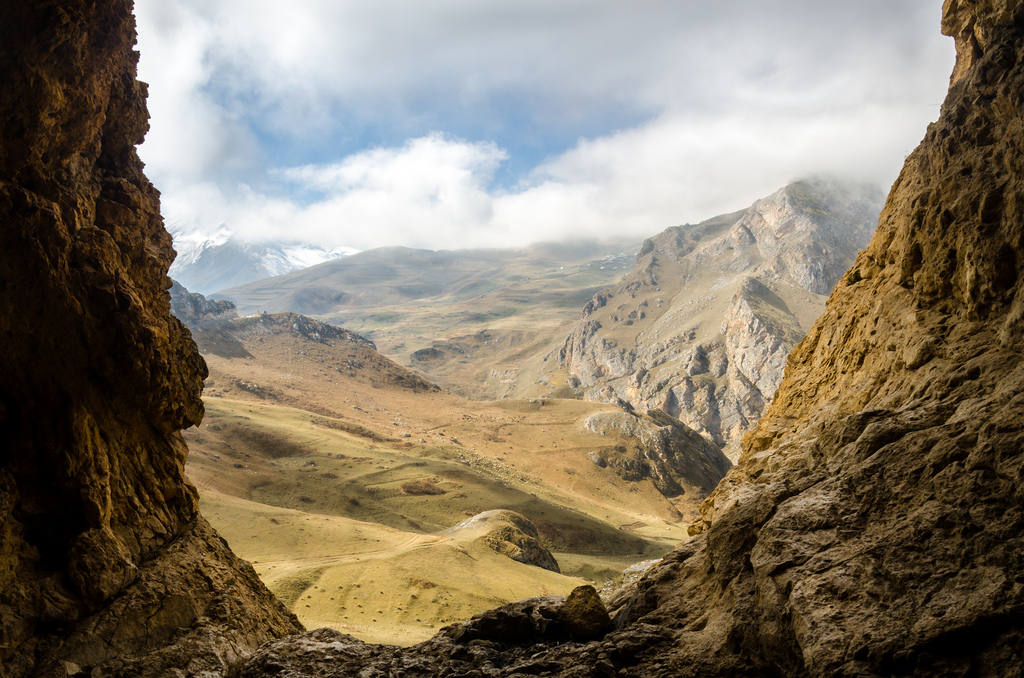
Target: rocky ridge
(701, 327)
(874, 524)
(671, 454)
(195, 310)
(295, 337)
(105, 562)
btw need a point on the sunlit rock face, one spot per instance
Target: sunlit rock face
(874, 524)
(702, 325)
(104, 560)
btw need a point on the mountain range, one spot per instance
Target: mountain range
(701, 326)
(207, 262)
(696, 322)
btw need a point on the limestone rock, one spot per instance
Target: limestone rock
(104, 560)
(702, 325)
(510, 534)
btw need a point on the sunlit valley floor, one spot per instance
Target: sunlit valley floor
(340, 476)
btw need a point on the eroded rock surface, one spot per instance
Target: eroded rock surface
(671, 454)
(702, 325)
(104, 560)
(195, 310)
(874, 524)
(511, 534)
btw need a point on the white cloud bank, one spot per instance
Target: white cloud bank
(738, 101)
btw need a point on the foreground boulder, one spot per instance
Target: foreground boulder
(105, 562)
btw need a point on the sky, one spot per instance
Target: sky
(494, 123)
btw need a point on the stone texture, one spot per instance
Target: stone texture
(104, 560)
(195, 310)
(672, 455)
(510, 534)
(874, 524)
(702, 325)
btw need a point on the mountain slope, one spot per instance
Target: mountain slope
(195, 310)
(318, 456)
(701, 326)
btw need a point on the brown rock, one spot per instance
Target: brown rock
(583, 614)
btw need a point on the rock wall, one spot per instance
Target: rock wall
(673, 456)
(875, 522)
(104, 560)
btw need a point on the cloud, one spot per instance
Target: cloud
(457, 123)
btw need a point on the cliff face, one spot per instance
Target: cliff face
(195, 310)
(103, 556)
(875, 522)
(702, 325)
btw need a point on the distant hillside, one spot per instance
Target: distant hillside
(291, 342)
(194, 309)
(469, 319)
(207, 263)
(702, 325)
(395, 275)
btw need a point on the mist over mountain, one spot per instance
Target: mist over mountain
(208, 262)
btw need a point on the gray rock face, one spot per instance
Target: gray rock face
(672, 455)
(702, 325)
(195, 310)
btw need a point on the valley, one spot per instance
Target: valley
(338, 472)
(477, 322)
(399, 439)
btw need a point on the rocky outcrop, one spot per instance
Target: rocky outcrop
(105, 562)
(672, 455)
(874, 524)
(510, 534)
(471, 648)
(702, 326)
(195, 310)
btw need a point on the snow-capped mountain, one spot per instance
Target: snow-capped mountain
(210, 262)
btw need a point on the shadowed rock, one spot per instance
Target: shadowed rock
(105, 562)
